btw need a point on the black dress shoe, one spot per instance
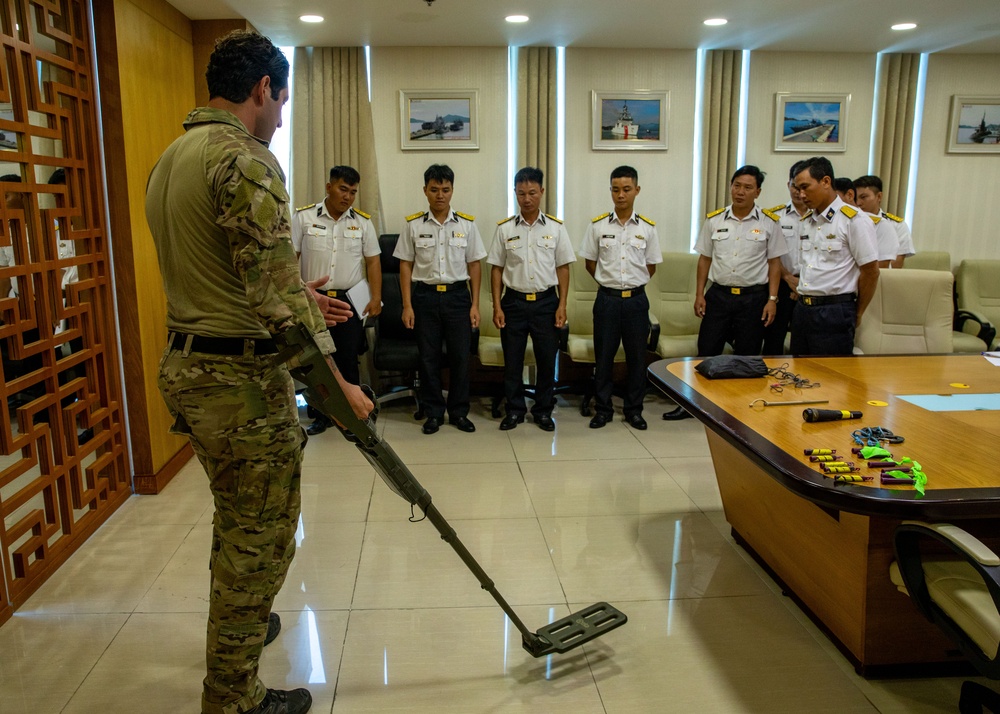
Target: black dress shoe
(278, 701)
(432, 425)
(599, 420)
(545, 422)
(273, 628)
(318, 426)
(676, 414)
(636, 422)
(511, 421)
(462, 423)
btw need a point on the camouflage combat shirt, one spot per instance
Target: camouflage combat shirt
(218, 210)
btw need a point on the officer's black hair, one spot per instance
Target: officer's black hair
(625, 172)
(440, 173)
(797, 168)
(58, 177)
(873, 182)
(749, 170)
(843, 185)
(240, 60)
(818, 167)
(347, 174)
(529, 174)
(13, 178)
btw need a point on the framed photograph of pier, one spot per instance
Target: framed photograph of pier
(630, 121)
(810, 123)
(439, 119)
(974, 126)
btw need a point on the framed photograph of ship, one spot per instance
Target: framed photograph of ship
(630, 121)
(810, 123)
(974, 126)
(439, 119)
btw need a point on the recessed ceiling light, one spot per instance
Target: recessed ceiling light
(311, 18)
(516, 18)
(905, 26)
(716, 21)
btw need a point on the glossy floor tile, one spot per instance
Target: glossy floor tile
(380, 614)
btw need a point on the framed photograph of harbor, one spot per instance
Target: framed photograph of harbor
(439, 119)
(630, 121)
(810, 123)
(974, 126)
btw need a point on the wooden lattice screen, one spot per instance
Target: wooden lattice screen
(63, 467)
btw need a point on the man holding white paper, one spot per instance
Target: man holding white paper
(334, 239)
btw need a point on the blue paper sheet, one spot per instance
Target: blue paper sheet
(954, 402)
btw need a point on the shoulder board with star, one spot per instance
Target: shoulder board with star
(363, 214)
(601, 217)
(505, 220)
(848, 211)
(552, 218)
(652, 223)
(892, 217)
(875, 219)
(415, 216)
(770, 214)
(305, 208)
(466, 216)
(713, 214)
(779, 207)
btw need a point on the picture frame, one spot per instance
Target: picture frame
(974, 127)
(439, 119)
(811, 123)
(630, 121)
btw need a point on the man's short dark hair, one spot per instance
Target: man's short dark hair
(795, 170)
(529, 174)
(749, 170)
(13, 178)
(818, 167)
(58, 177)
(843, 185)
(240, 60)
(347, 174)
(625, 172)
(440, 173)
(873, 182)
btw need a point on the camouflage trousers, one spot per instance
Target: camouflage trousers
(241, 417)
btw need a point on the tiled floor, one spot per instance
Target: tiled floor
(381, 616)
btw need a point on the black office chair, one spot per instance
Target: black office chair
(959, 595)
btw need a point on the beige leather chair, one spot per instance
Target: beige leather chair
(671, 300)
(978, 285)
(911, 313)
(929, 260)
(959, 593)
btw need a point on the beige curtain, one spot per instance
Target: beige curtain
(536, 112)
(897, 92)
(332, 125)
(721, 124)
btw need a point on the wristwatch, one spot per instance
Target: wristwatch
(772, 298)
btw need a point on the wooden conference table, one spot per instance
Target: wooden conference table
(830, 544)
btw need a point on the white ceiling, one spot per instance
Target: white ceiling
(786, 25)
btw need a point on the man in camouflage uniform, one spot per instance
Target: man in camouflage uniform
(218, 211)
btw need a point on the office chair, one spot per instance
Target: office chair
(910, 313)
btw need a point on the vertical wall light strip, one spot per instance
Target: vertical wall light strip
(876, 107)
(511, 125)
(918, 121)
(699, 112)
(741, 141)
(368, 70)
(561, 132)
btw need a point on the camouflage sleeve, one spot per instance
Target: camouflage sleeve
(253, 211)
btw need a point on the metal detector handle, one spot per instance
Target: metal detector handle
(310, 366)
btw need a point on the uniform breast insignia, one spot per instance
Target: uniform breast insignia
(891, 217)
(848, 211)
(713, 214)
(652, 223)
(552, 218)
(505, 220)
(466, 216)
(776, 209)
(364, 215)
(305, 208)
(415, 216)
(771, 214)
(601, 217)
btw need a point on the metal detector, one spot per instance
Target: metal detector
(309, 366)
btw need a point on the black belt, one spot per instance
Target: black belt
(221, 345)
(530, 297)
(812, 300)
(733, 290)
(442, 287)
(627, 293)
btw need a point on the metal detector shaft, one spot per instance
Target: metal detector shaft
(308, 365)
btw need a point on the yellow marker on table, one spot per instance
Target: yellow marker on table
(958, 385)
